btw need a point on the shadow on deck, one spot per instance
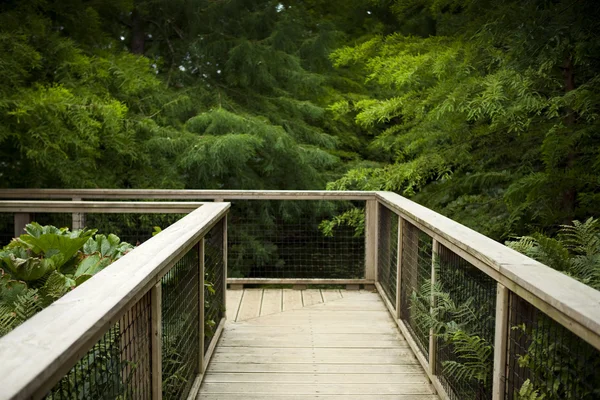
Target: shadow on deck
(289, 344)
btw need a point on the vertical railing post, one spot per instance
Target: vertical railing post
(77, 219)
(371, 240)
(224, 222)
(21, 219)
(399, 269)
(500, 342)
(156, 349)
(201, 274)
(432, 338)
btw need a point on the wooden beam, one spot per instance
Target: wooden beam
(156, 343)
(21, 219)
(432, 338)
(59, 335)
(297, 281)
(185, 194)
(569, 302)
(501, 334)
(399, 270)
(371, 233)
(114, 207)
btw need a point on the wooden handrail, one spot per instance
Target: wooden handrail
(104, 207)
(40, 351)
(570, 302)
(187, 194)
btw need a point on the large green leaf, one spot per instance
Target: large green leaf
(10, 289)
(27, 269)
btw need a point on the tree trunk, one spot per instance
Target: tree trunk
(138, 35)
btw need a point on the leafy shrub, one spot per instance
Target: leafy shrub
(46, 262)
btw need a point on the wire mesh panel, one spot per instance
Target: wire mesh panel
(130, 228)
(7, 228)
(296, 239)
(416, 274)
(545, 360)
(117, 366)
(213, 280)
(464, 323)
(180, 313)
(387, 252)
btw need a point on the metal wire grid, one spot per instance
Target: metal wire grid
(180, 321)
(119, 364)
(415, 272)
(7, 223)
(546, 358)
(387, 252)
(469, 320)
(131, 228)
(7, 228)
(214, 287)
(283, 239)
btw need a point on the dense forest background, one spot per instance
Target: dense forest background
(485, 110)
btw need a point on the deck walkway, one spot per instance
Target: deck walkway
(312, 344)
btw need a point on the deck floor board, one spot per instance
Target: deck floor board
(312, 344)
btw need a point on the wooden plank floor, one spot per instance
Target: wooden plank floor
(312, 344)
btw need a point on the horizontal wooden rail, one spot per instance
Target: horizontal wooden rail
(297, 281)
(101, 207)
(568, 301)
(40, 351)
(193, 194)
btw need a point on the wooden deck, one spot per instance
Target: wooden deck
(312, 344)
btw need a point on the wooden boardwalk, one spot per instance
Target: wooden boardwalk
(312, 344)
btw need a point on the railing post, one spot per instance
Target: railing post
(500, 342)
(371, 239)
(21, 219)
(432, 338)
(156, 349)
(224, 222)
(399, 269)
(201, 306)
(77, 219)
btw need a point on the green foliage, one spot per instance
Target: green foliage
(46, 262)
(467, 89)
(575, 251)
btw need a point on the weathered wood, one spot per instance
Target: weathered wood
(379, 396)
(311, 297)
(272, 302)
(201, 306)
(107, 207)
(432, 337)
(225, 257)
(188, 194)
(571, 303)
(371, 234)
(156, 342)
(213, 344)
(500, 342)
(236, 286)
(399, 270)
(331, 295)
(234, 299)
(77, 219)
(250, 306)
(295, 281)
(260, 358)
(20, 220)
(292, 299)
(67, 329)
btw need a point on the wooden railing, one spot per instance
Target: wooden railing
(408, 250)
(115, 333)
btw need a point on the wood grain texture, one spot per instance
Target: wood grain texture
(315, 349)
(60, 334)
